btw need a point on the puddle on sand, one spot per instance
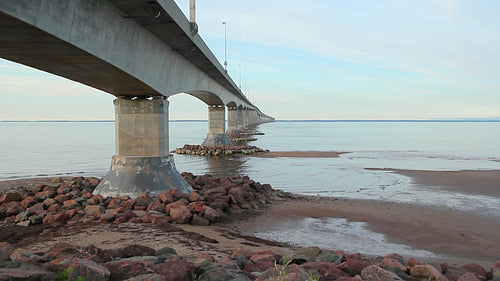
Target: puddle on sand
(334, 234)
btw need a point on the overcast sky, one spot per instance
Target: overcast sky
(317, 59)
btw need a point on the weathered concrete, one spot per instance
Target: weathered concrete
(216, 127)
(142, 162)
(232, 120)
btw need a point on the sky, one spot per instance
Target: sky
(317, 59)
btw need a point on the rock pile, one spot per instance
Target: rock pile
(73, 202)
(223, 150)
(138, 262)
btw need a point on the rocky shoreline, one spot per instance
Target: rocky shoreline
(222, 150)
(46, 209)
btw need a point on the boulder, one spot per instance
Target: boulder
(12, 208)
(397, 257)
(124, 269)
(311, 252)
(198, 220)
(143, 200)
(353, 266)
(376, 273)
(61, 250)
(138, 250)
(291, 272)
(476, 269)
(70, 204)
(328, 256)
(11, 196)
(327, 270)
(426, 273)
(412, 262)
(211, 214)
(94, 211)
(469, 276)
(23, 271)
(392, 265)
(176, 269)
(180, 214)
(6, 249)
(21, 255)
(88, 270)
(495, 269)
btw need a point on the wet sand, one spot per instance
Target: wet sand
(470, 182)
(463, 237)
(300, 154)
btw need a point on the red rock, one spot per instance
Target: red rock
(54, 208)
(61, 198)
(156, 206)
(138, 250)
(120, 219)
(392, 264)
(113, 203)
(426, 273)
(11, 196)
(476, 269)
(237, 194)
(176, 204)
(28, 202)
(328, 270)
(166, 197)
(175, 270)
(93, 181)
(71, 213)
(62, 250)
(412, 262)
(46, 194)
(12, 208)
(108, 216)
(181, 214)
(88, 270)
(311, 252)
(128, 204)
(468, 277)
(397, 257)
(129, 214)
(176, 194)
(70, 204)
(196, 207)
(211, 214)
(143, 200)
(49, 219)
(247, 252)
(376, 273)
(261, 261)
(353, 267)
(135, 220)
(147, 218)
(161, 220)
(121, 270)
(195, 196)
(94, 210)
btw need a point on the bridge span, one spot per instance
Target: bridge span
(142, 52)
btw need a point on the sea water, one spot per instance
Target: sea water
(36, 149)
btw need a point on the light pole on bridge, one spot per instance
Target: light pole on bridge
(225, 45)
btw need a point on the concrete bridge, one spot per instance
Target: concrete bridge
(142, 52)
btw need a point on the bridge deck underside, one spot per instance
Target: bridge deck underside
(25, 44)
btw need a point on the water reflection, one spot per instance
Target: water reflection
(226, 167)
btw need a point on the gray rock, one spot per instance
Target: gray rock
(329, 256)
(241, 260)
(150, 259)
(24, 271)
(6, 250)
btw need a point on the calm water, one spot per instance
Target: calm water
(33, 149)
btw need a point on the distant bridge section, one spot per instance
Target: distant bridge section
(142, 52)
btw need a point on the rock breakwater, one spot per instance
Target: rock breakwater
(211, 200)
(139, 262)
(223, 150)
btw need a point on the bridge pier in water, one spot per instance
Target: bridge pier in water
(217, 127)
(142, 162)
(232, 120)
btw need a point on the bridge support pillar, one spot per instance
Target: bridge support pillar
(232, 121)
(142, 162)
(217, 127)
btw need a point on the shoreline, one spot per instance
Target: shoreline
(460, 237)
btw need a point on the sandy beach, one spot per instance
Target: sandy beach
(460, 237)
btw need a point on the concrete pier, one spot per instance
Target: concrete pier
(142, 162)
(232, 120)
(217, 127)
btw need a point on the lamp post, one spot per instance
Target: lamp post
(225, 45)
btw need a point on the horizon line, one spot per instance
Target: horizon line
(492, 119)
